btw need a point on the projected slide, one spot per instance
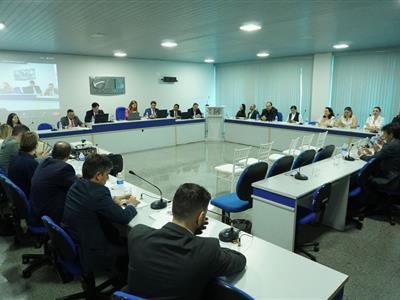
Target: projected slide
(28, 87)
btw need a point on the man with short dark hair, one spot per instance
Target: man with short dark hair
(51, 182)
(88, 216)
(195, 111)
(91, 114)
(269, 113)
(151, 112)
(70, 120)
(173, 262)
(23, 165)
(10, 146)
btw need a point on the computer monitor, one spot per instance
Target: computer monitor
(133, 116)
(101, 118)
(185, 115)
(162, 113)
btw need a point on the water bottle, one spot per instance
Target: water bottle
(343, 150)
(81, 156)
(276, 118)
(120, 180)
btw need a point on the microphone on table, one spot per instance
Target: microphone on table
(300, 176)
(158, 204)
(348, 157)
(227, 235)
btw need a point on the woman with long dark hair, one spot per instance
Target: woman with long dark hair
(13, 120)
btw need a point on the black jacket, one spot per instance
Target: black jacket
(89, 115)
(50, 184)
(194, 113)
(21, 170)
(86, 205)
(253, 114)
(173, 263)
(396, 119)
(270, 115)
(241, 114)
(171, 113)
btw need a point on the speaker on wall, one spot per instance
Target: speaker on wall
(169, 79)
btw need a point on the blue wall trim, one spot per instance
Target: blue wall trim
(188, 121)
(274, 197)
(301, 128)
(131, 125)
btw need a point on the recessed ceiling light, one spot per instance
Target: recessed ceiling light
(119, 54)
(209, 60)
(341, 46)
(169, 44)
(262, 54)
(2, 25)
(250, 27)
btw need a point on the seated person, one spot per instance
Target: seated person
(194, 111)
(89, 212)
(328, 118)
(396, 119)
(32, 88)
(174, 262)
(175, 112)
(10, 146)
(51, 182)
(133, 107)
(374, 122)
(13, 120)
(151, 113)
(270, 113)
(70, 120)
(5, 132)
(241, 112)
(253, 113)
(91, 114)
(51, 90)
(23, 165)
(294, 116)
(347, 120)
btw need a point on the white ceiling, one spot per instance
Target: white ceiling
(202, 28)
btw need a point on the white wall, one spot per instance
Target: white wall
(142, 80)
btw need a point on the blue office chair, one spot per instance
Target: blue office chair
(241, 200)
(21, 210)
(59, 125)
(324, 153)
(312, 123)
(304, 158)
(44, 126)
(314, 213)
(222, 289)
(280, 116)
(125, 296)
(281, 165)
(120, 113)
(66, 254)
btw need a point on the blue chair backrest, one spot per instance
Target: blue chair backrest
(44, 126)
(280, 116)
(124, 296)
(60, 241)
(366, 171)
(120, 113)
(222, 289)
(17, 197)
(312, 123)
(251, 174)
(58, 124)
(324, 153)
(304, 158)
(320, 198)
(281, 165)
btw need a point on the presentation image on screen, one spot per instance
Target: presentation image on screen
(29, 89)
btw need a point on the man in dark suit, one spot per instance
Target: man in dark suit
(151, 112)
(70, 120)
(253, 113)
(175, 113)
(173, 262)
(269, 113)
(10, 146)
(88, 216)
(91, 114)
(195, 112)
(23, 165)
(51, 182)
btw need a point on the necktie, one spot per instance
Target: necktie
(72, 123)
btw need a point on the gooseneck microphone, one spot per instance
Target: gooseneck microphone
(158, 204)
(300, 176)
(227, 235)
(348, 157)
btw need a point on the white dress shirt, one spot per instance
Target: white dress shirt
(378, 122)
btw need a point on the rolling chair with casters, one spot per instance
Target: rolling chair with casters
(44, 126)
(22, 211)
(305, 158)
(118, 163)
(324, 153)
(120, 113)
(66, 256)
(312, 214)
(241, 200)
(280, 166)
(222, 289)
(125, 296)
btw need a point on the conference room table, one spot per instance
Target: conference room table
(129, 136)
(271, 271)
(255, 132)
(275, 199)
